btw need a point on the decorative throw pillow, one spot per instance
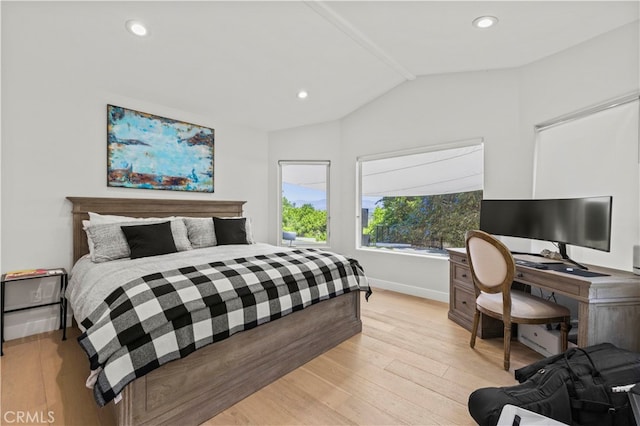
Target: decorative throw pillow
(178, 228)
(109, 242)
(149, 239)
(230, 231)
(249, 231)
(180, 235)
(250, 238)
(200, 231)
(85, 228)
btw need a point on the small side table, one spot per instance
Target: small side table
(54, 272)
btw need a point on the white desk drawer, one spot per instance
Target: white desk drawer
(541, 340)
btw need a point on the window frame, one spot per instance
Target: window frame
(327, 164)
(400, 153)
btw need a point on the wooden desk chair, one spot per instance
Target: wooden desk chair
(493, 269)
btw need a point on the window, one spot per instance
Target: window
(594, 152)
(420, 202)
(304, 203)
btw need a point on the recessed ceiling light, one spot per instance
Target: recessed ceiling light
(136, 28)
(303, 94)
(485, 21)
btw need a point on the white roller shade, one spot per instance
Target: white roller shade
(593, 155)
(311, 175)
(444, 171)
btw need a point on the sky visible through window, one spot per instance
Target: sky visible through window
(299, 195)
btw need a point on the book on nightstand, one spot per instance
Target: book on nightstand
(25, 273)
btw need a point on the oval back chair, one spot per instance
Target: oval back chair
(493, 270)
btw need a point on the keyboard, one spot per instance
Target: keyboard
(531, 264)
(559, 267)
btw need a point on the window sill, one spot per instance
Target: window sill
(306, 246)
(405, 252)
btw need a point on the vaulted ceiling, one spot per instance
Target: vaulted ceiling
(243, 62)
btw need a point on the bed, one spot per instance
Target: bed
(195, 388)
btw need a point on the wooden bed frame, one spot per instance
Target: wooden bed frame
(191, 390)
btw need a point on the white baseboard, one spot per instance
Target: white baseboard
(29, 328)
(425, 293)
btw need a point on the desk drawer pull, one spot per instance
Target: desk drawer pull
(520, 275)
(464, 275)
(464, 302)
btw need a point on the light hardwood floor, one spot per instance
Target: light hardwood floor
(410, 365)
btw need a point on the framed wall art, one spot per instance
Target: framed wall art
(151, 152)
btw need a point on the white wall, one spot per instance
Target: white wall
(54, 145)
(585, 75)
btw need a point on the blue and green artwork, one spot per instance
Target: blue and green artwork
(150, 152)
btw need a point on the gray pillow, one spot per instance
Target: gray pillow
(180, 235)
(109, 242)
(200, 231)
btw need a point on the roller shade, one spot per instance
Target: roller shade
(310, 175)
(428, 173)
(595, 153)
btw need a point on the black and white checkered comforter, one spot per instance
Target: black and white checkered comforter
(167, 315)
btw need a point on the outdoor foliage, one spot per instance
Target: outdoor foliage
(429, 221)
(305, 220)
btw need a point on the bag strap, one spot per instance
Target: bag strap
(571, 352)
(575, 379)
(525, 373)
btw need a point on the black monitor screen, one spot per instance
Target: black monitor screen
(582, 222)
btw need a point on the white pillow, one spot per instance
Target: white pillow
(101, 219)
(85, 228)
(247, 228)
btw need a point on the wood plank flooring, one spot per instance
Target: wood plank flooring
(410, 365)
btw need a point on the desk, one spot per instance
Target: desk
(608, 306)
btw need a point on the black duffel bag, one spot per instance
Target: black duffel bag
(574, 387)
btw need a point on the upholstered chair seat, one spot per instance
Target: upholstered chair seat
(523, 306)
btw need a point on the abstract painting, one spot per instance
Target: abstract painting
(150, 152)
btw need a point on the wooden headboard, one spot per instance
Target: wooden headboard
(143, 207)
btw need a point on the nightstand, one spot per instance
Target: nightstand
(43, 273)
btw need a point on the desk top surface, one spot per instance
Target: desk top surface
(616, 275)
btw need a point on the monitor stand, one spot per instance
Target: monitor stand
(563, 252)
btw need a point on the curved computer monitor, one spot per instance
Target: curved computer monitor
(584, 222)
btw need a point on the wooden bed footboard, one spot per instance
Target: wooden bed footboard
(196, 388)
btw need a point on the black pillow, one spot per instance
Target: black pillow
(149, 240)
(230, 231)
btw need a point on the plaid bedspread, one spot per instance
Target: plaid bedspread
(167, 315)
